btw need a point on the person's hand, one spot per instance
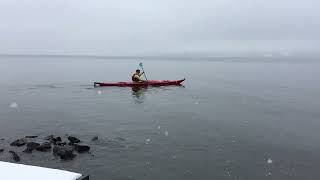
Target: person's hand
(143, 72)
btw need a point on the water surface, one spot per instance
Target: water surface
(232, 119)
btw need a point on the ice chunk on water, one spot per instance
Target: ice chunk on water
(159, 127)
(148, 141)
(166, 133)
(99, 92)
(14, 105)
(269, 161)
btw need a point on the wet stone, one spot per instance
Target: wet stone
(64, 152)
(31, 146)
(80, 148)
(55, 140)
(44, 147)
(73, 139)
(61, 143)
(31, 136)
(14, 156)
(49, 137)
(1, 150)
(95, 138)
(18, 142)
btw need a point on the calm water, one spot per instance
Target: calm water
(233, 119)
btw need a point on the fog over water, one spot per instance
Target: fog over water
(149, 27)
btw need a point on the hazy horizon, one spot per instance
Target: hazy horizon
(157, 28)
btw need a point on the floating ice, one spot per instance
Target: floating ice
(148, 141)
(14, 105)
(196, 102)
(269, 161)
(166, 133)
(159, 127)
(99, 92)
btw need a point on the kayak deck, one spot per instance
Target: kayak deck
(135, 84)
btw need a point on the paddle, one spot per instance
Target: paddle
(141, 65)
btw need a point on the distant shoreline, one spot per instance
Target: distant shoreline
(185, 56)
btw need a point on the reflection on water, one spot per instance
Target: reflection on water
(138, 94)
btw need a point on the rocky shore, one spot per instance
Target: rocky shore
(65, 148)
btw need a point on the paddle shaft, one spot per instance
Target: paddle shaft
(144, 73)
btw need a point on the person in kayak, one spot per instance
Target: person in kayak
(136, 76)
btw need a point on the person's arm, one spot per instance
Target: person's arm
(140, 77)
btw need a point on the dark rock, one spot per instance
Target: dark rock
(27, 150)
(61, 143)
(94, 138)
(15, 156)
(64, 152)
(1, 150)
(73, 139)
(49, 137)
(31, 146)
(31, 136)
(18, 142)
(55, 140)
(81, 148)
(44, 147)
(1, 139)
(58, 138)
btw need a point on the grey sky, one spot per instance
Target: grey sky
(133, 27)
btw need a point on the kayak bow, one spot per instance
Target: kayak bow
(139, 84)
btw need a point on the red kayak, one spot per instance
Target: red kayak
(136, 84)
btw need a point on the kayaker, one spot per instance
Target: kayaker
(136, 76)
